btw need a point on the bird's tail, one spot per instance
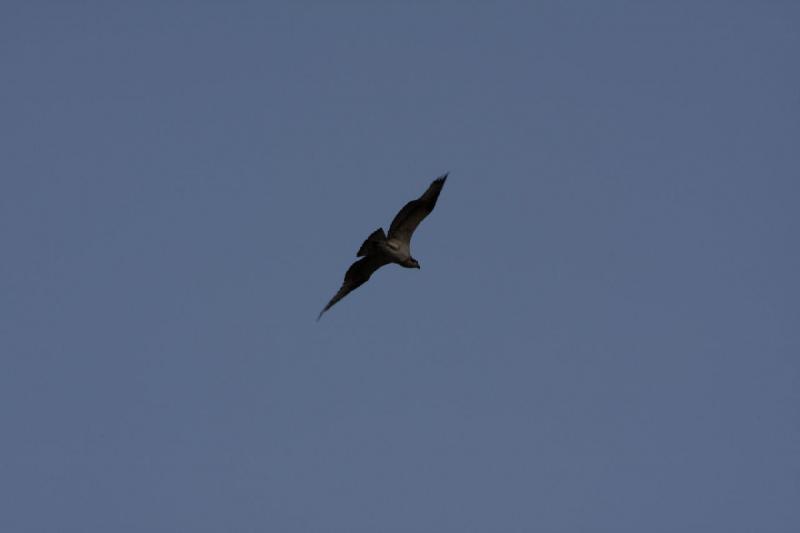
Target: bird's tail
(375, 237)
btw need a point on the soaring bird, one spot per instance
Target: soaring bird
(379, 250)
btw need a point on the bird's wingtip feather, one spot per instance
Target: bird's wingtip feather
(441, 179)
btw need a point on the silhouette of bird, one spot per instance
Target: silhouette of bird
(379, 249)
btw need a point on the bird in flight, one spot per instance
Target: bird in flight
(380, 249)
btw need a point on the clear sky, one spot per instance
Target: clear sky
(603, 336)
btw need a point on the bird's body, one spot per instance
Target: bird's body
(397, 251)
(379, 249)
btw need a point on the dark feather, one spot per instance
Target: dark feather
(407, 220)
(358, 274)
(375, 237)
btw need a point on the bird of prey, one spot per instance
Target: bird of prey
(380, 249)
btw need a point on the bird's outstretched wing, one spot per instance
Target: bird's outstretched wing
(358, 274)
(407, 220)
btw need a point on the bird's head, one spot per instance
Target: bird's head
(411, 263)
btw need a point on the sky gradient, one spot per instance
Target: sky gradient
(603, 334)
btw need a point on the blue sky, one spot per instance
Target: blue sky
(603, 335)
